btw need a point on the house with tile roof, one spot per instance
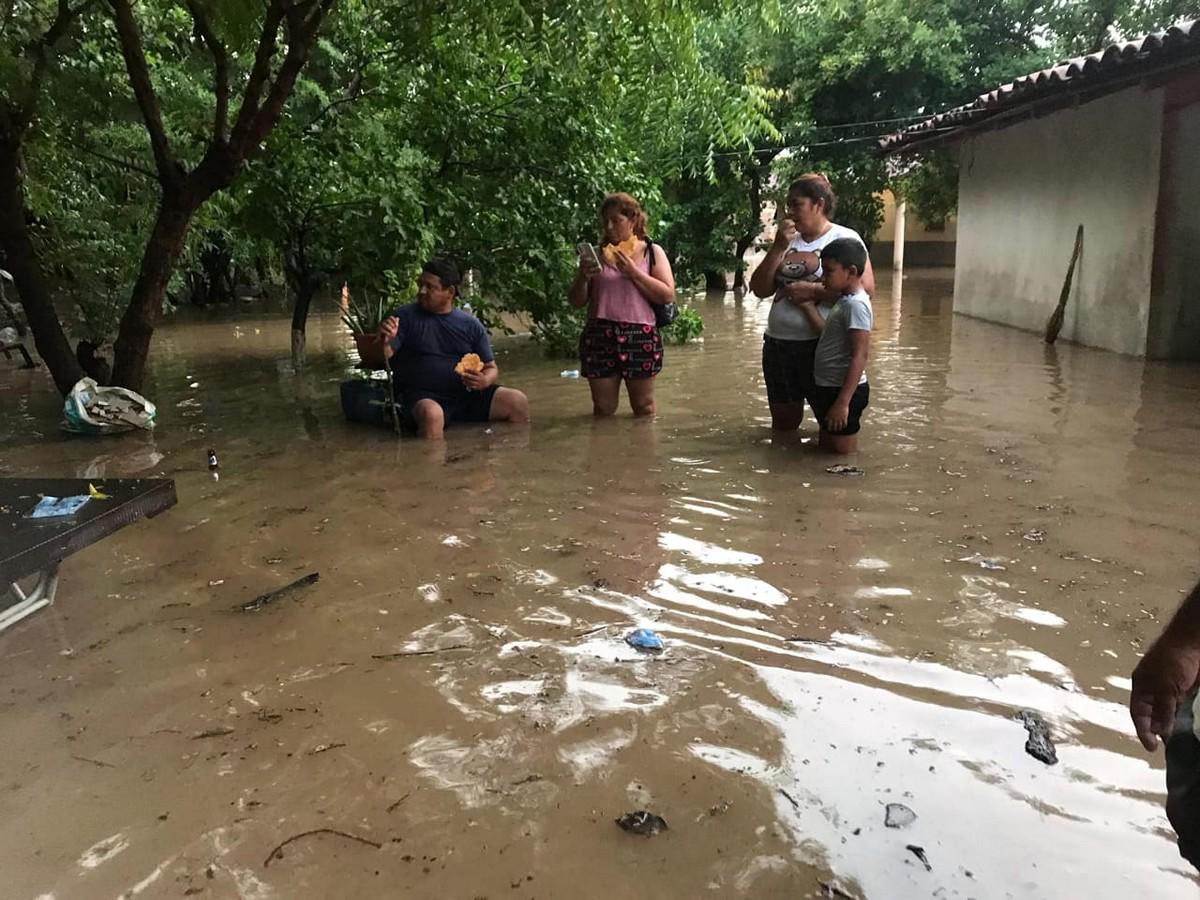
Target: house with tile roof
(1109, 141)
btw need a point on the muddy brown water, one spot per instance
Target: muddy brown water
(833, 644)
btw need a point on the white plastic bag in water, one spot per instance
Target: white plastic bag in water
(91, 408)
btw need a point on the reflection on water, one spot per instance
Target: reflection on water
(458, 678)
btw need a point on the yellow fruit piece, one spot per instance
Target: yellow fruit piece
(627, 246)
(96, 494)
(469, 363)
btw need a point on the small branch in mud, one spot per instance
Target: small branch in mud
(396, 805)
(801, 639)
(580, 634)
(321, 748)
(94, 762)
(277, 853)
(219, 731)
(404, 653)
(271, 596)
(790, 799)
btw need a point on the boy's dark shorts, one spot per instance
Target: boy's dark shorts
(823, 398)
(788, 370)
(471, 406)
(629, 350)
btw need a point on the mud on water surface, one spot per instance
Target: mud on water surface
(451, 710)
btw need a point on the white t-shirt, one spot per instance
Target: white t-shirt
(832, 359)
(787, 321)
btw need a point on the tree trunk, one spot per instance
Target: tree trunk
(755, 223)
(303, 284)
(715, 281)
(145, 304)
(30, 281)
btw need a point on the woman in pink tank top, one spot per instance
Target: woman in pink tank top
(620, 341)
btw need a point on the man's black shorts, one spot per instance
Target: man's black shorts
(788, 369)
(470, 406)
(823, 398)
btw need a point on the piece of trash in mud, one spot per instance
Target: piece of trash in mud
(1039, 745)
(831, 889)
(430, 593)
(1034, 535)
(569, 373)
(96, 494)
(212, 460)
(719, 808)
(993, 563)
(644, 639)
(642, 822)
(277, 853)
(599, 583)
(898, 816)
(216, 582)
(321, 748)
(219, 731)
(271, 596)
(843, 469)
(56, 507)
(919, 853)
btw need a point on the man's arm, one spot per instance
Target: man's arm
(1166, 673)
(839, 413)
(389, 335)
(477, 381)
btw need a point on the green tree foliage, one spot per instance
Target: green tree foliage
(147, 156)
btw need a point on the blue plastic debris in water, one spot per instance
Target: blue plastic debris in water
(54, 507)
(644, 639)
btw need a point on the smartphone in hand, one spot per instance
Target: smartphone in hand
(588, 254)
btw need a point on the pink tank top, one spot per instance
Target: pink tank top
(616, 298)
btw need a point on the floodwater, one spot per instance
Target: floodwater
(453, 699)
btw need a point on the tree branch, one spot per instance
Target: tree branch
(220, 69)
(259, 73)
(169, 171)
(39, 49)
(304, 19)
(123, 163)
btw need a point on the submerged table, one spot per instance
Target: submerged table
(35, 547)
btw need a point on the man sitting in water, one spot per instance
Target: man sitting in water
(425, 341)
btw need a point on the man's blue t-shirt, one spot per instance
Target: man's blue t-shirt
(428, 346)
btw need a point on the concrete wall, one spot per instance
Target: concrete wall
(1024, 189)
(1174, 331)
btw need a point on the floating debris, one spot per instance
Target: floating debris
(899, 816)
(1034, 535)
(919, 853)
(642, 822)
(1039, 744)
(843, 469)
(644, 639)
(271, 596)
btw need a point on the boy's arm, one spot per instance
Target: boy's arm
(839, 413)
(809, 308)
(807, 292)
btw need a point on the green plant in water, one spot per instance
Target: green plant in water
(364, 317)
(688, 326)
